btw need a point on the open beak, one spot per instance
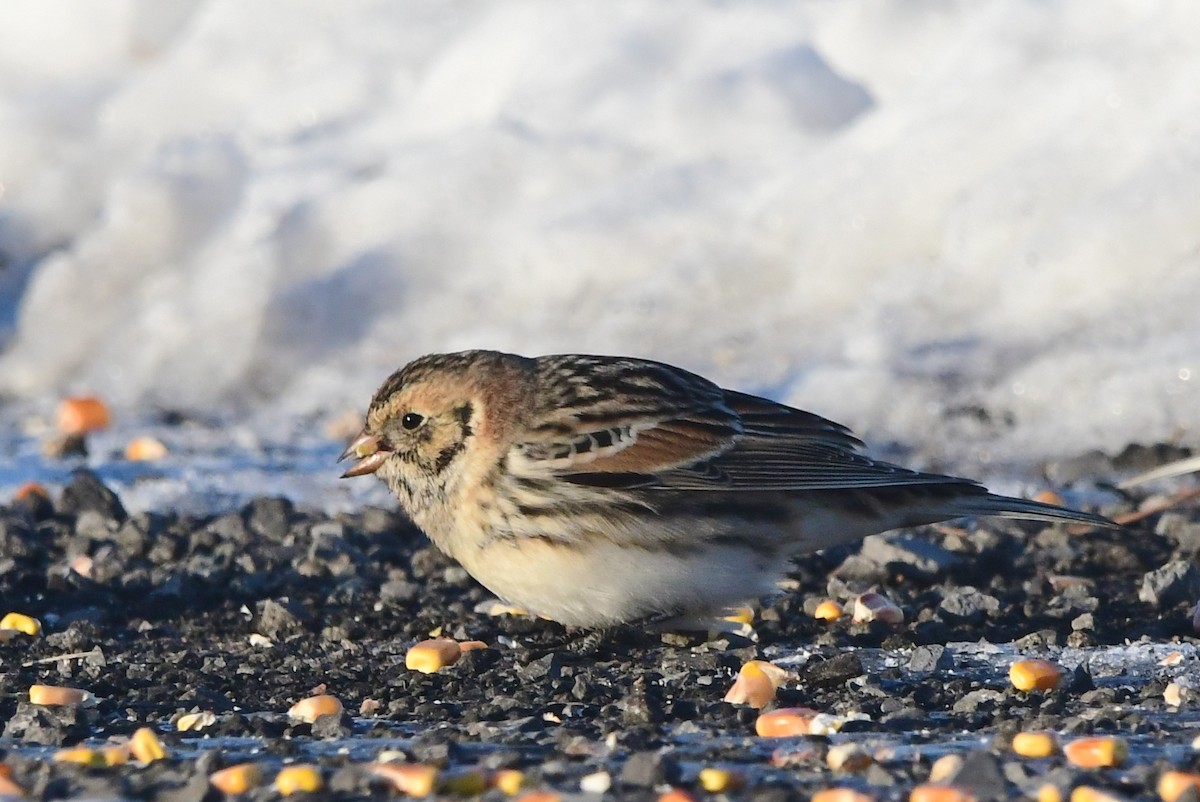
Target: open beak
(369, 451)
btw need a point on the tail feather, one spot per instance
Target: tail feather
(1025, 509)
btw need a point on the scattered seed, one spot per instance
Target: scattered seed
(828, 610)
(190, 722)
(930, 792)
(1173, 784)
(301, 777)
(1035, 744)
(56, 695)
(81, 755)
(676, 795)
(876, 607)
(1087, 793)
(312, 708)
(847, 757)
(509, 781)
(82, 414)
(1035, 675)
(596, 783)
(717, 781)
(237, 779)
(753, 686)
(145, 449)
(19, 622)
(145, 746)
(945, 768)
(785, 722)
(1096, 752)
(414, 779)
(841, 795)
(430, 656)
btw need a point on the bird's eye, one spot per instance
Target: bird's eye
(411, 420)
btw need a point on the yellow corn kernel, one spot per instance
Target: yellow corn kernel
(145, 449)
(841, 795)
(413, 779)
(312, 708)
(237, 779)
(430, 656)
(784, 722)
(1049, 497)
(929, 792)
(876, 607)
(945, 768)
(752, 687)
(1049, 793)
(828, 610)
(740, 615)
(298, 778)
(82, 755)
(57, 695)
(1096, 752)
(189, 722)
(508, 780)
(716, 781)
(82, 414)
(146, 747)
(1035, 744)
(1172, 784)
(21, 623)
(1035, 675)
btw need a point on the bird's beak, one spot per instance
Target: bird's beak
(369, 450)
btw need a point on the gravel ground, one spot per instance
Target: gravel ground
(244, 613)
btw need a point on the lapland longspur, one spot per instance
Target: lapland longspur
(599, 490)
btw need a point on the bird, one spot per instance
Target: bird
(598, 491)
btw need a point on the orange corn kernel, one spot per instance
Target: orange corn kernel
(312, 708)
(509, 781)
(929, 792)
(19, 622)
(414, 779)
(841, 795)
(1087, 793)
(237, 779)
(430, 656)
(81, 755)
(1049, 793)
(676, 795)
(145, 449)
(1035, 675)
(1172, 784)
(753, 686)
(785, 722)
(82, 414)
(57, 695)
(1096, 752)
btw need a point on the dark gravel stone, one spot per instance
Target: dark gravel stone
(1174, 582)
(981, 773)
(967, 605)
(269, 517)
(833, 672)
(277, 619)
(86, 492)
(934, 657)
(910, 556)
(648, 769)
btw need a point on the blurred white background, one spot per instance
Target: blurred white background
(969, 226)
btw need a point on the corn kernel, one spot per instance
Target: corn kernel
(472, 645)
(752, 687)
(237, 779)
(21, 623)
(1172, 784)
(8, 788)
(828, 610)
(312, 708)
(145, 449)
(841, 795)
(1087, 793)
(1035, 744)
(413, 779)
(430, 656)
(145, 746)
(81, 755)
(716, 781)
(676, 795)
(539, 796)
(1096, 752)
(930, 792)
(945, 768)
(741, 615)
(117, 755)
(1049, 793)
(57, 695)
(876, 607)
(1035, 675)
(82, 414)
(1050, 497)
(298, 778)
(189, 722)
(785, 722)
(508, 780)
